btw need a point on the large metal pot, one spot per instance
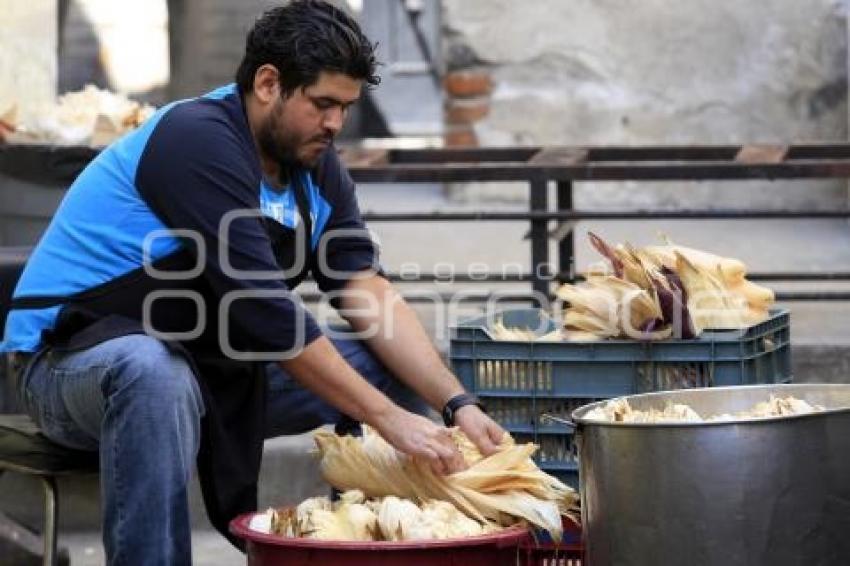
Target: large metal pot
(755, 492)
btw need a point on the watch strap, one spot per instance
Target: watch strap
(455, 403)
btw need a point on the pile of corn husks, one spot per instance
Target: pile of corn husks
(654, 293)
(87, 117)
(353, 517)
(392, 496)
(619, 411)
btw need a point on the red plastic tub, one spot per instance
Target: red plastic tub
(496, 549)
(541, 551)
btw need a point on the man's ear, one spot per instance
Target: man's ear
(266, 84)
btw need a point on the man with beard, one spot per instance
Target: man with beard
(144, 320)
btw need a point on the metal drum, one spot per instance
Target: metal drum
(750, 492)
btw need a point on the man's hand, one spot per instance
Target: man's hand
(483, 431)
(417, 436)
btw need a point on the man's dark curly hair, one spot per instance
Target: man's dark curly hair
(302, 39)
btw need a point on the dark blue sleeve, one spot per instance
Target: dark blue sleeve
(197, 167)
(348, 247)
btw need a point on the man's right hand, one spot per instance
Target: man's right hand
(419, 437)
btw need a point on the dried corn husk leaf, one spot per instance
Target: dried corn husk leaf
(318, 518)
(638, 308)
(580, 321)
(442, 520)
(501, 332)
(556, 335)
(607, 252)
(594, 297)
(633, 270)
(395, 517)
(710, 303)
(733, 269)
(757, 296)
(361, 520)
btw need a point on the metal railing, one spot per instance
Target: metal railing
(564, 166)
(540, 167)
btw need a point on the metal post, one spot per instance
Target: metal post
(51, 514)
(539, 238)
(566, 247)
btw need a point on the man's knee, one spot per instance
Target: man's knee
(146, 367)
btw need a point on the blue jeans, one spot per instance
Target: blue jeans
(292, 409)
(139, 405)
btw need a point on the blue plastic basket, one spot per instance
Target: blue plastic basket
(520, 381)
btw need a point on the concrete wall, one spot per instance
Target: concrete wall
(209, 40)
(658, 71)
(28, 54)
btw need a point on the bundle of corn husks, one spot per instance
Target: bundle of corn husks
(353, 517)
(656, 292)
(502, 489)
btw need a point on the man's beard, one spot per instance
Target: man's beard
(280, 146)
(275, 145)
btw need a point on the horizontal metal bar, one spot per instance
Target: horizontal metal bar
(800, 276)
(438, 216)
(496, 277)
(446, 297)
(519, 297)
(603, 171)
(698, 153)
(461, 278)
(461, 155)
(803, 296)
(711, 153)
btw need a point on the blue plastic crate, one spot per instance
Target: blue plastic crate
(521, 380)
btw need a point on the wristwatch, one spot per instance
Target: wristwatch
(456, 403)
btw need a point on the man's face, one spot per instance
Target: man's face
(299, 127)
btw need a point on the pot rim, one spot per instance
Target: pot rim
(779, 389)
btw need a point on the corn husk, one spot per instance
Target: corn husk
(351, 518)
(757, 297)
(733, 269)
(710, 303)
(501, 332)
(502, 488)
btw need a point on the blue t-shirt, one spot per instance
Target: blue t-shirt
(189, 179)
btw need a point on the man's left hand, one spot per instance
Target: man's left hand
(483, 431)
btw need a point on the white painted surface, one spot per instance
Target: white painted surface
(27, 54)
